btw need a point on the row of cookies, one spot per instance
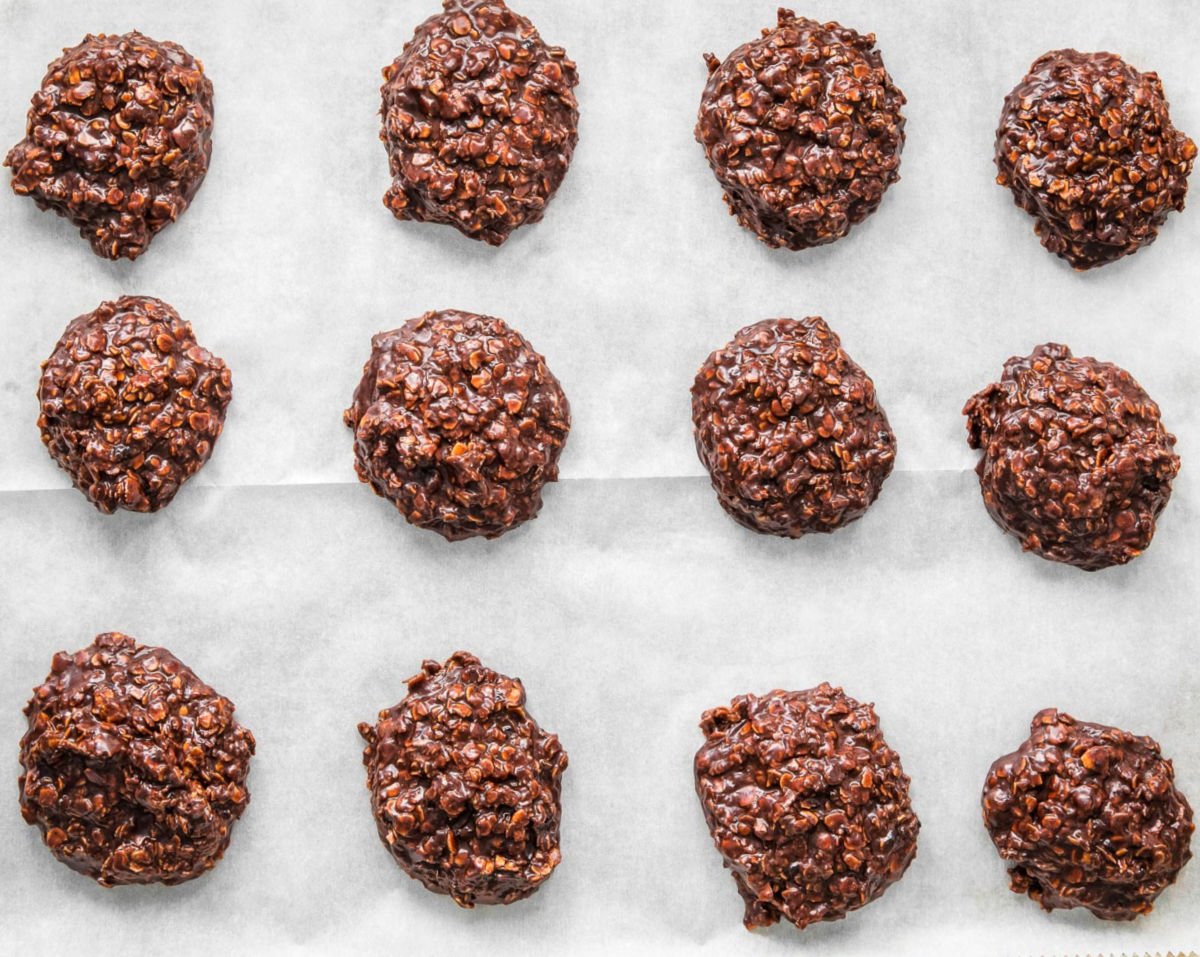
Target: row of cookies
(135, 771)
(803, 128)
(460, 423)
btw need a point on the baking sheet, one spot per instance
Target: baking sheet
(633, 603)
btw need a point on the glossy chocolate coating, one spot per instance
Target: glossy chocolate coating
(458, 421)
(1086, 145)
(118, 140)
(1076, 462)
(133, 768)
(465, 784)
(790, 430)
(480, 121)
(806, 803)
(803, 130)
(131, 404)
(1088, 816)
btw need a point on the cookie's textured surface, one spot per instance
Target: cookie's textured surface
(480, 121)
(790, 430)
(1088, 816)
(465, 784)
(1076, 462)
(459, 423)
(803, 130)
(1086, 145)
(118, 140)
(806, 802)
(131, 404)
(133, 768)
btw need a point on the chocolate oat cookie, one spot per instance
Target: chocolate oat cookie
(1086, 145)
(133, 768)
(803, 130)
(131, 404)
(458, 421)
(1076, 462)
(118, 140)
(1088, 816)
(806, 802)
(465, 784)
(790, 430)
(480, 121)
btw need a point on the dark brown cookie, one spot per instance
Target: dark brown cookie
(803, 130)
(790, 430)
(458, 421)
(1076, 462)
(465, 784)
(118, 140)
(133, 768)
(1086, 145)
(1088, 816)
(480, 121)
(131, 405)
(807, 804)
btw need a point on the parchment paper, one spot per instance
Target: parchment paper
(633, 603)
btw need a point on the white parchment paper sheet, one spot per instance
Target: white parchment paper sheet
(633, 603)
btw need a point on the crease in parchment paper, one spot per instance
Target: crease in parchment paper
(198, 481)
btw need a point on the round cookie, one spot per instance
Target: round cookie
(806, 803)
(118, 140)
(803, 130)
(465, 785)
(1076, 462)
(1088, 816)
(459, 423)
(133, 768)
(480, 121)
(1085, 143)
(790, 430)
(131, 404)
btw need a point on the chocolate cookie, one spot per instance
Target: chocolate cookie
(806, 802)
(118, 140)
(465, 784)
(1088, 816)
(1086, 145)
(459, 423)
(803, 130)
(1076, 462)
(131, 405)
(480, 121)
(133, 768)
(790, 430)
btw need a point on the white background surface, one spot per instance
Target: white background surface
(633, 603)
